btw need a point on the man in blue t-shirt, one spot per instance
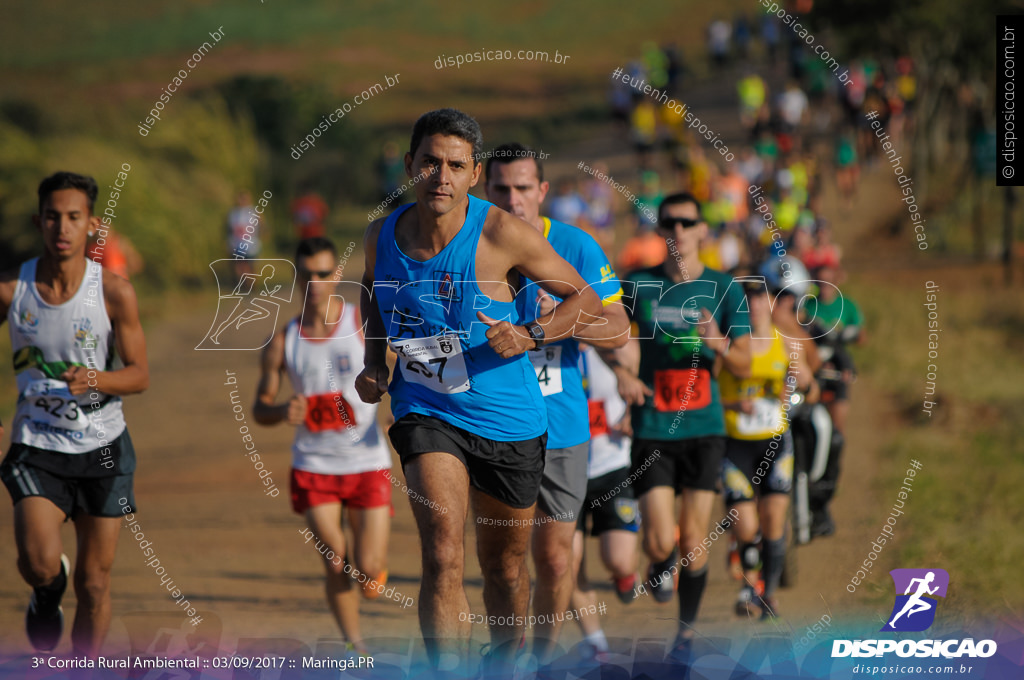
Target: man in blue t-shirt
(515, 183)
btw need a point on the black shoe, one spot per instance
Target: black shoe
(44, 620)
(663, 590)
(822, 524)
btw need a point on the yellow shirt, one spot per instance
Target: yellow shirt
(765, 387)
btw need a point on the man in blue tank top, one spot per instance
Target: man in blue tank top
(470, 419)
(515, 183)
(70, 456)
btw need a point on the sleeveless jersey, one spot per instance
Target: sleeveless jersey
(557, 364)
(445, 367)
(49, 339)
(674, 362)
(340, 435)
(608, 451)
(765, 387)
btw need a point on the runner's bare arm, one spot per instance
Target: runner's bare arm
(802, 372)
(625, 363)
(732, 354)
(265, 410)
(527, 251)
(608, 331)
(129, 340)
(8, 282)
(737, 357)
(372, 381)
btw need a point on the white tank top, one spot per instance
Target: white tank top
(607, 451)
(340, 435)
(49, 339)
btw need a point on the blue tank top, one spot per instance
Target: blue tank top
(445, 367)
(557, 364)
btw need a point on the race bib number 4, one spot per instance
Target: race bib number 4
(766, 417)
(547, 362)
(51, 402)
(677, 389)
(328, 412)
(436, 362)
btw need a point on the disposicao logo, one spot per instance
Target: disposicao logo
(914, 610)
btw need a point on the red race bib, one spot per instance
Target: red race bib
(676, 389)
(328, 412)
(598, 418)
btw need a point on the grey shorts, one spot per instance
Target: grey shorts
(564, 485)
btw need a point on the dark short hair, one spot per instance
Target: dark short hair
(451, 123)
(510, 153)
(68, 180)
(311, 246)
(680, 198)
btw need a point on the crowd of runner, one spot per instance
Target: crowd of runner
(552, 392)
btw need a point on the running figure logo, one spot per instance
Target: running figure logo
(254, 303)
(914, 611)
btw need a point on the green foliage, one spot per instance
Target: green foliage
(182, 181)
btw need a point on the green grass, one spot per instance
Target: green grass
(967, 502)
(279, 68)
(108, 31)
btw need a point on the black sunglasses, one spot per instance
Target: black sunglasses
(684, 222)
(319, 273)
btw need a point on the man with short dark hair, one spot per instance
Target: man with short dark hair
(78, 348)
(690, 322)
(339, 458)
(470, 419)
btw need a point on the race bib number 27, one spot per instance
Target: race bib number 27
(436, 363)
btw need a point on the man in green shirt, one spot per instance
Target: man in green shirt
(688, 322)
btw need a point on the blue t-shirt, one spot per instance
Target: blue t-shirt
(557, 364)
(445, 367)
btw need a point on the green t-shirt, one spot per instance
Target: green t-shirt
(674, 362)
(841, 310)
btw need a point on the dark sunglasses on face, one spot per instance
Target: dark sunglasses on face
(684, 222)
(319, 273)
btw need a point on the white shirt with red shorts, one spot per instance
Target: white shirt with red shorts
(339, 453)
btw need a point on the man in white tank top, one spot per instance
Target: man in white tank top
(78, 348)
(339, 457)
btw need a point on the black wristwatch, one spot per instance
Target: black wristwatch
(536, 332)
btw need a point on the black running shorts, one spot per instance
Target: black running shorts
(511, 472)
(681, 464)
(611, 503)
(96, 483)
